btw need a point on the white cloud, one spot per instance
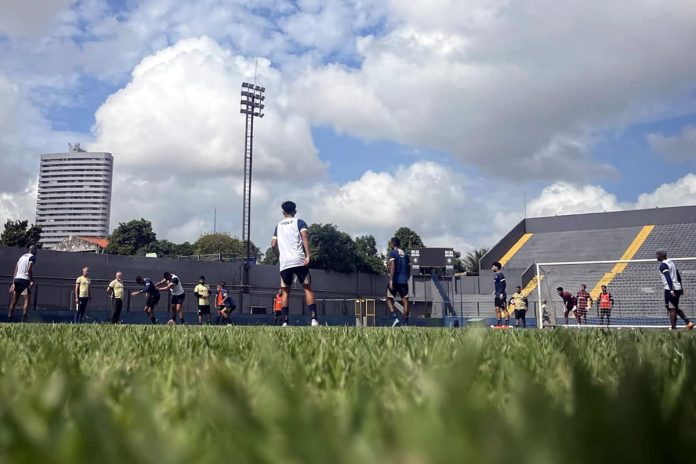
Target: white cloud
(680, 147)
(22, 18)
(679, 193)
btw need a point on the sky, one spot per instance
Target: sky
(441, 115)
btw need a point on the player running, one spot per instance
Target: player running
(584, 302)
(224, 303)
(569, 301)
(291, 244)
(115, 292)
(672, 283)
(605, 304)
(83, 294)
(500, 295)
(172, 283)
(153, 296)
(521, 305)
(399, 273)
(22, 283)
(202, 292)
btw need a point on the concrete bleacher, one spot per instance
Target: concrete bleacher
(678, 239)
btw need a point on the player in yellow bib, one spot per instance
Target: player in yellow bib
(83, 294)
(202, 292)
(115, 292)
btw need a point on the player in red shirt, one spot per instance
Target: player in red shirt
(278, 307)
(605, 303)
(569, 301)
(584, 302)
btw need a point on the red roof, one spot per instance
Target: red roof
(101, 242)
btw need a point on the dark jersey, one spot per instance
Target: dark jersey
(500, 284)
(401, 266)
(149, 287)
(569, 300)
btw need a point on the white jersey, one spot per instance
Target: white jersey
(177, 289)
(23, 265)
(668, 268)
(288, 235)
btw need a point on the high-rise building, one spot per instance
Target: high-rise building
(74, 195)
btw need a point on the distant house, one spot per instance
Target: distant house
(77, 244)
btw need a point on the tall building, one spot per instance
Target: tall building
(74, 195)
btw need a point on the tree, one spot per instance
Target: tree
(20, 234)
(221, 242)
(130, 238)
(270, 257)
(409, 239)
(165, 248)
(470, 262)
(369, 260)
(332, 250)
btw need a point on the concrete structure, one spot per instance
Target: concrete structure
(74, 195)
(74, 244)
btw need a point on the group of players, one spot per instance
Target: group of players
(580, 303)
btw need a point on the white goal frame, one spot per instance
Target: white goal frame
(538, 276)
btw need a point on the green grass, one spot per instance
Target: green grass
(344, 395)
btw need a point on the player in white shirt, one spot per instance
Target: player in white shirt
(291, 243)
(172, 283)
(23, 280)
(672, 284)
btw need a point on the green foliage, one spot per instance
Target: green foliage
(270, 257)
(344, 395)
(332, 250)
(20, 234)
(165, 248)
(223, 242)
(409, 239)
(134, 237)
(470, 262)
(369, 260)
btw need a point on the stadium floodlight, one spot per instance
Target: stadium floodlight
(251, 107)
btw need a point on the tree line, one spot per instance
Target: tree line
(331, 248)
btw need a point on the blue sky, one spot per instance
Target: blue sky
(468, 103)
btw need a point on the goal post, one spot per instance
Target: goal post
(634, 296)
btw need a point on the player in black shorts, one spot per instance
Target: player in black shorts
(399, 273)
(672, 284)
(153, 296)
(22, 283)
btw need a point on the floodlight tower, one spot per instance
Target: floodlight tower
(252, 107)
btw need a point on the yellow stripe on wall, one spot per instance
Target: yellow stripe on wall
(618, 268)
(515, 248)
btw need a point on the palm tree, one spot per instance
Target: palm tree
(471, 260)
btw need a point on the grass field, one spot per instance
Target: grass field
(333, 395)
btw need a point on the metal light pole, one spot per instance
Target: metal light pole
(252, 107)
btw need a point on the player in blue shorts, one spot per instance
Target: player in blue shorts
(399, 273)
(291, 243)
(500, 295)
(153, 296)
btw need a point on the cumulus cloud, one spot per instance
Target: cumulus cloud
(524, 83)
(680, 147)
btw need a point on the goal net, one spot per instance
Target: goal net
(634, 293)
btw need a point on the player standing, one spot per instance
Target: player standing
(277, 306)
(500, 295)
(569, 301)
(291, 244)
(115, 292)
(399, 273)
(83, 293)
(202, 292)
(172, 283)
(224, 303)
(672, 283)
(153, 296)
(605, 303)
(22, 283)
(521, 304)
(584, 302)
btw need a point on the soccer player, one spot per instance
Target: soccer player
(202, 292)
(399, 272)
(521, 304)
(672, 283)
(83, 293)
(115, 292)
(277, 306)
(545, 316)
(569, 301)
(605, 303)
(584, 302)
(500, 295)
(22, 283)
(291, 244)
(172, 283)
(153, 296)
(224, 303)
